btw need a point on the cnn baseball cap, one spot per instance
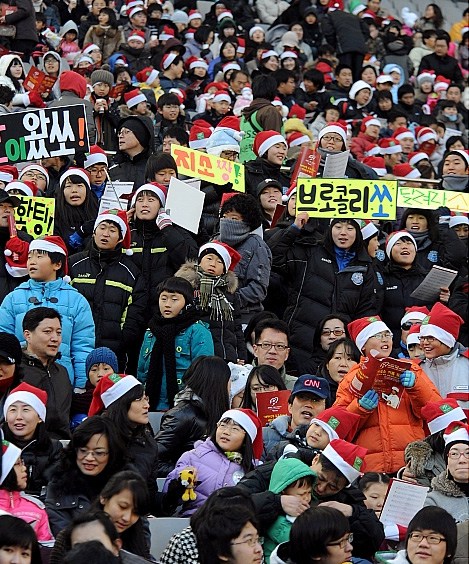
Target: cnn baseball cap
(312, 385)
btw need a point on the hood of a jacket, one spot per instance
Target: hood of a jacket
(68, 26)
(254, 106)
(6, 60)
(188, 271)
(63, 65)
(287, 471)
(121, 156)
(280, 554)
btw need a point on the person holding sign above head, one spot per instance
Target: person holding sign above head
(385, 428)
(112, 284)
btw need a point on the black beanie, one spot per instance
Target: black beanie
(10, 348)
(138, 129)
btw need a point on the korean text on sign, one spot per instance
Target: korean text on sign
(339, 197)
(428, 199)
(35, 215)
(208, 167)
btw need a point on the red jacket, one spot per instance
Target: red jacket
(359, 145)
(385, 431)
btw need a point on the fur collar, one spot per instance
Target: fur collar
(444, 485)
(418, 453)
(189, 273)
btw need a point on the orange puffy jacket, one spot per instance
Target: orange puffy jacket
(385, 431)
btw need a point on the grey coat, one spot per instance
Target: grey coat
(447, 495)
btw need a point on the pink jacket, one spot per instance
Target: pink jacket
(29, 509)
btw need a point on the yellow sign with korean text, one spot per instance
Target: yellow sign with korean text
(429, 199)
(35, 215)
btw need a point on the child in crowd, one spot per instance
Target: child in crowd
(136, 104)
(330, 114)
(168, 113)
(217, 108)
(150, 80)
(105, 119)
(174, 339)
(69, 46)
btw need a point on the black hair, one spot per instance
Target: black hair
(441, 124)
(405, 89)
(167, 99)
(207, 378)
(117, 412)
(454, 85)
(34, 316)
(120, 69)
(448, 104)
(430, 215)
(91, 551)
(236, 73)
(394, 114)
(313, 530)
(383, 95)
(219, 529)
(16, 82)
(275, 324)
(320, 327)
(112, 21)
(437, 17)
(255, 320)
(246, 449)
(17, 532)
(264, 87)
(282, 76)
(40, 17)
(10, 482)
(6, 94)
(369, 478)
(369, 67)
(266, 374)
(428, 33)
(341, 67)
(226, 24)
(328, 466)
(202, 34)
(325, 49)
(177, 285)
(436, 442)
(178, 133)
(428, 120)
(349, 346)
(106, 2)
(156, 162)
(248, 208)
(229, 41)
(329, 243)
(316, 77)
(439, 520)
(331, 106)
(91, 517)
(95, 425)
(452, 140)
(67, 213)
(443, 37)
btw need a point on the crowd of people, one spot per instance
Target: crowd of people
(119, 315)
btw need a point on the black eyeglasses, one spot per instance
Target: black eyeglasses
(408, 324)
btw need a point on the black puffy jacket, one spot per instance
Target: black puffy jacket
(8, 282)
(228, 337)
(346, 32)
(158, 254)
(115, 289)
(258, 170)
(317, 286)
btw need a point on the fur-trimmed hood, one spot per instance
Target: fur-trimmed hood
(188, 272)
(124, 112)
(446, 486)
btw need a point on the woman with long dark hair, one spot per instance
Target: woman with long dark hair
(196, 412)
(433, 18)
(263, 378)
(331, 328)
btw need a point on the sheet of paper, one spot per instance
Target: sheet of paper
(335, 165)
(194, 182)
(110, 200)
(429, 288)
(402, 502)
(184, 205)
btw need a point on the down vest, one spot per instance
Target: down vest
(386, 431)
(228, 338)
(115, 290)
(318, 287)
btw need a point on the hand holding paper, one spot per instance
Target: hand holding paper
(407, 379)
(369, 401)
(444, 295)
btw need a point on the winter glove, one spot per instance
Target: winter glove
(75, 241)
(35, 100)
(369, 401)
(163, 220)
(407, 379)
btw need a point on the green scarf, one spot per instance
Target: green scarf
(212, 296)
(234, 456)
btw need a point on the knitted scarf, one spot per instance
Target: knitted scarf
(233, 232)
(421, 237)
(212, 296)
(165, 331)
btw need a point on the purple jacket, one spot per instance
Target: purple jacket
(214, 471)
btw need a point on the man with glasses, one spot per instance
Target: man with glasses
(96, 165)
(38, 174)
(386, 427)
(413, 316)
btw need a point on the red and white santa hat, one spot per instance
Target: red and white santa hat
(221, 96)
(194, 14)
(168, 60)
(95, 156)
(333, 127)
(196, 62)
(362, 329)
(52, 244)
(367, 227)
(255, 28)
(425, 134)
(109, 389)
(394, 237)
(403, 133)
(415, 312)
(33, 166)
(290, 192)
(30, 395)
(119, 217)
(413, 337)
(388, 146)
(241, 46)
(405, 170)
(369, 120)
(346, 457)
(425, 76)
(134, 97)
(231, 125)
(266, 53)
(148, 76)
(377, 164)
(24, 186)
(251, 424)
(166, 33)
(442, 324)
(232, 65)
(456, 432)
(9, 173)
(225, 14)
(439, 414)
(199, 136)
(288, 54)
(416, 157)
(75, 171)
(87, 49)
(297, 138)
(159, 190)
(373, 150)
(458, 219)
(441, 84)
(338, 423)
(383, 78)
(136, 10)
(264, 140)
(229, 256)
(10, 454)
(190, 33)
(298, 112)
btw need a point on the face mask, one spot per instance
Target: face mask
(452, 117)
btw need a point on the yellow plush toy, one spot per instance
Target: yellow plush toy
(187, 480)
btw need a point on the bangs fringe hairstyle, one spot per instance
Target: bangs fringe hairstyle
(157, 162)
(177, 285)
(117, 412)
(370, 478)
(16, 532)
(329, 243)
(246, 448)
(267, 375)
(324, 320)
(16, 82)
(66, 212)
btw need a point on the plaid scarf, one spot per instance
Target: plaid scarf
(212, 296)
